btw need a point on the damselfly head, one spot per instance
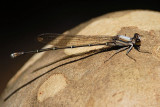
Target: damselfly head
(137, 39)
(136, 36)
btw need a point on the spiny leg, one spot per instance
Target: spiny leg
(119, 50)
(130, 48)
(138, 49)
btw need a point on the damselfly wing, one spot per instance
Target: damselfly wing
(72, 40)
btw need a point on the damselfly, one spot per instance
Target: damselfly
(65, 41)
(76, 41)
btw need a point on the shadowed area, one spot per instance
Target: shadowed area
(88, 54)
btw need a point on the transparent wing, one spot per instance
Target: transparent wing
(72, 40)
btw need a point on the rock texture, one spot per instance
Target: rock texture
(89, 82)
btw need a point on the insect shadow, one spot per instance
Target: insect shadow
(89, 54)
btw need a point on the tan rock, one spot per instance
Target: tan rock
(89, 82)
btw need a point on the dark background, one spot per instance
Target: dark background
(21, 22)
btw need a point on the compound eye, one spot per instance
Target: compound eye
(136, 35)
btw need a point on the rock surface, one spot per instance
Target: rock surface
(89, 82)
